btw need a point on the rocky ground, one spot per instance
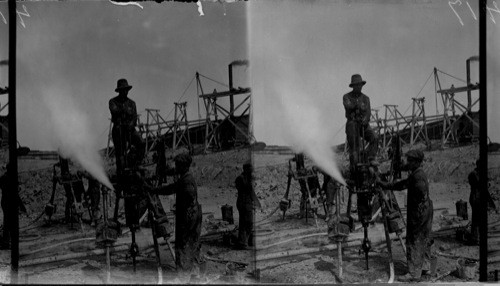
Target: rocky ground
(83, 262)
(296, 251)
(287, 251)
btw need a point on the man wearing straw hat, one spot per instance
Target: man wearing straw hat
(358, 113)
(124, 118)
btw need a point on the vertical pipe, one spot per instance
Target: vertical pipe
(412, 135)
(469, 96)
(174, 141)
(231, 99)
(483, 136)
(13, 181)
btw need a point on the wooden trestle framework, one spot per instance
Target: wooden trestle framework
(217, 118)
(417, 123)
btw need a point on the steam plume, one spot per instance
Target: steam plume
(307, 131)
(75, 138)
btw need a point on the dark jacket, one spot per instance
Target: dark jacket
(357, 107)
(419, 203)
(246, 196)
(123, 111)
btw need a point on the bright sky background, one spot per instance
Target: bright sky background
(303, 54)
(72, 53)
(493, 72)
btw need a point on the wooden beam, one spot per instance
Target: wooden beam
(459, 89)
(226, 93)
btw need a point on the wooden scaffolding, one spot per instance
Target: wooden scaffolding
(213, 123)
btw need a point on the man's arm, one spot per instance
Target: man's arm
(134, 114)
(349, 106)
(368, 111)
(396, 186)
(167, 190)
(114, 109)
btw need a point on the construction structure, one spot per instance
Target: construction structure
(222, 133)
(457, 124)
(220, 129)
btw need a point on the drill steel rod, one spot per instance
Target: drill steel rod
(104, 193)
(133, 249)
(108, 264)
(387, 237)
(366, 250)
(156, 247)
(339, 253)
(310, 204)
(339, 243)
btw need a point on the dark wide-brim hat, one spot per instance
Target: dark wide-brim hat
(356, 80)
(122, 84)
(183, 159)
(415, 154)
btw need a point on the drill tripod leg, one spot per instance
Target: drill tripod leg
(288, 183)
(73, 209)
(308, 206)
(171, 250)
(402, 242)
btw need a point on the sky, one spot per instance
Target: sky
(493, 70)
(304, 53)
(71, 54)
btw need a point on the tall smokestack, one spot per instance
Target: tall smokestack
(231, 99)
(469, 97)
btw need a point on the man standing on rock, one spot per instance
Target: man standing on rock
(246, 203)
(188, 216)
(419, 216)
(124, 118)
(358, 113)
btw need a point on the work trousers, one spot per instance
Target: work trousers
(475, 220)
(246, 226)
(6, 221)
(121, 136)
(356, 131)
(187, 239)
(418, 242)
